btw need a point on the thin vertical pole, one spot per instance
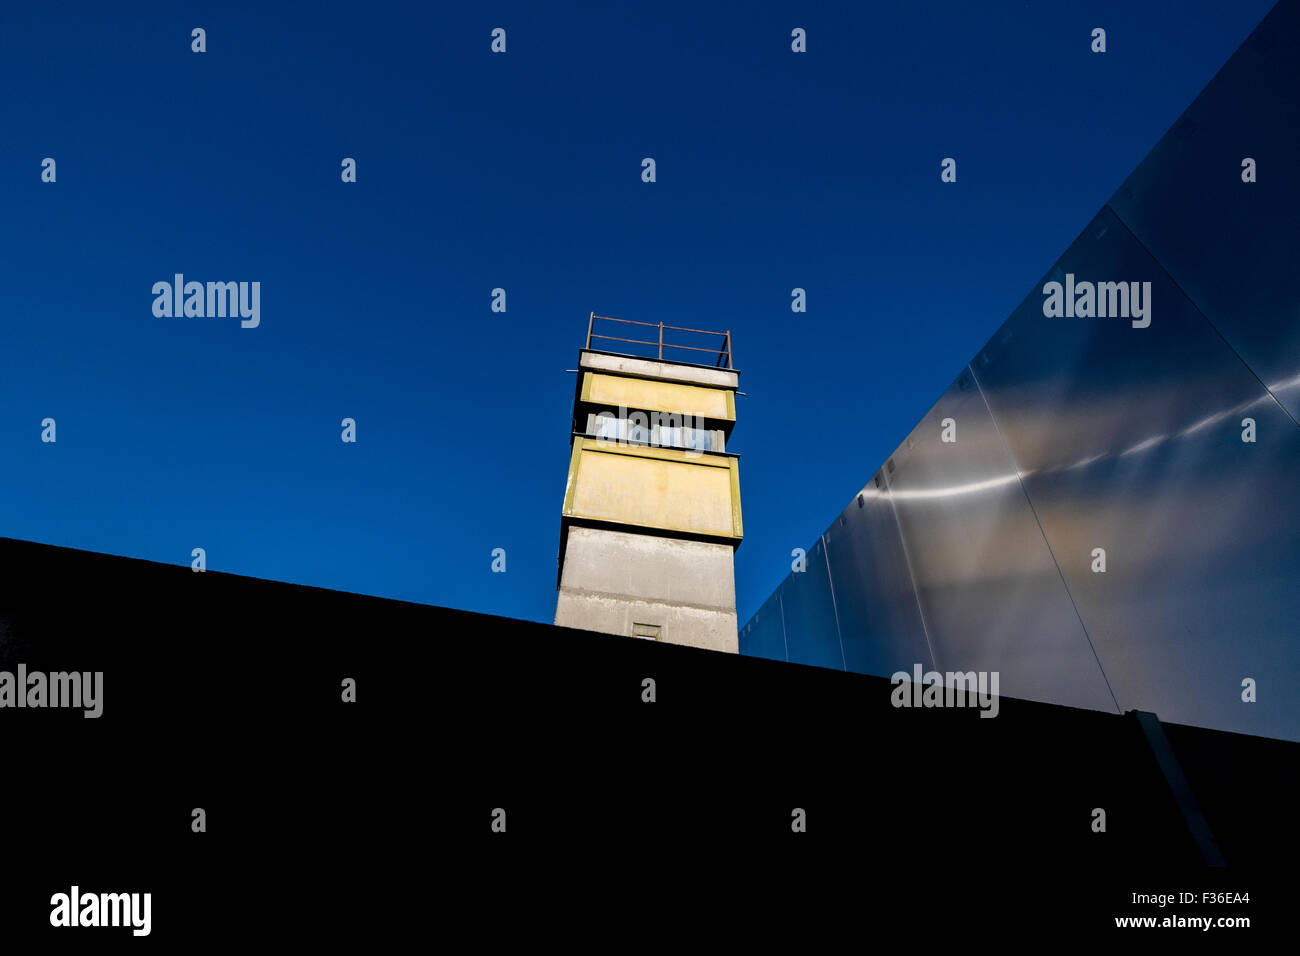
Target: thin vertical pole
(661, 341)
(591, 320)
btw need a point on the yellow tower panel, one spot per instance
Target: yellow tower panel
(695, 400)
(668, 489)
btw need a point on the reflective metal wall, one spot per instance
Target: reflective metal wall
(1082, 435)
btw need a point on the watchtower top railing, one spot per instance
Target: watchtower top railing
(722, 353)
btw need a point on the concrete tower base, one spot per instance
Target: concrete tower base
(675, 590)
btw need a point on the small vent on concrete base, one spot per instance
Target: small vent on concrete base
(649, 632)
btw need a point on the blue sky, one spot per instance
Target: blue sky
(522, 170)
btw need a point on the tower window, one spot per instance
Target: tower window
(639, 429)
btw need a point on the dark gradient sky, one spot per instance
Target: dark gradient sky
(522, 171)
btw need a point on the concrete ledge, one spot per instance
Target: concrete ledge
(656, 369)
